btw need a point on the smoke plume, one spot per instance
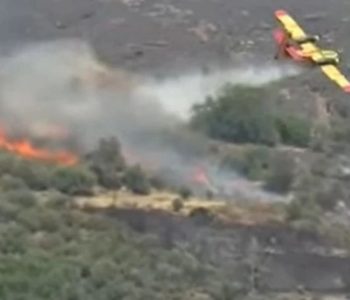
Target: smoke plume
(178, 93)
(60, 95)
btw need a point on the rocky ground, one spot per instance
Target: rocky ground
(152, 34)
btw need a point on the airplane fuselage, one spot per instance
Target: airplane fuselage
(293, 42)
(291, 49)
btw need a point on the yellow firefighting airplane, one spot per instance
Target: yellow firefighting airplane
(294, 43)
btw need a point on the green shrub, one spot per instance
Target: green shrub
(35, 174)
(8, 210)
(185, 192)
(158, 183)
(109, 179)
(305, 209)
(107, 162)
(136, 181)
(253, 163)
(40, 219)
(73, 180)
(57, 199)
(281, 175)
(340, 131)
(327, 196)
(12, 242)
(294, 131)
(243, 114)
(256, 163)
(294, 211)
(239, 114)
(7, 163)
(23, 197)
(8, 183)
(177, 204)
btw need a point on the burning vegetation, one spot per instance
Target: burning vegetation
(114, 148)
(26, 149)
(70, 102)
(61, 95)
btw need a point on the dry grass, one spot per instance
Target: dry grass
(248, 214)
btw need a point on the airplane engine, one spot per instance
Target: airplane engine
(327, 61)
(309, 50)
(308, 39)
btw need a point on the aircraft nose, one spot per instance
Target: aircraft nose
(280, 13)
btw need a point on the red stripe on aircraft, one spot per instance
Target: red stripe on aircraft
(280, 13)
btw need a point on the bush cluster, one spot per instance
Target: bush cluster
(105, 167)
(242, 114)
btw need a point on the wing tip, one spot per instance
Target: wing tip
(280, 13)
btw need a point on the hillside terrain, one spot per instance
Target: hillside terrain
(164, 30)
(110, 189)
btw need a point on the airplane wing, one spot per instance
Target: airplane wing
(296, 32)
(290, 25)
(334, 74)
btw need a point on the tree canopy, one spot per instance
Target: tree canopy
(244, 114)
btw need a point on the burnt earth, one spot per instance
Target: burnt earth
(286, 258)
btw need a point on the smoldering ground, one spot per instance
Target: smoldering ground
(60, 94)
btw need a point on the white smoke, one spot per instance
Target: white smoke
(59, 89)
(178, 94)
(52, 88)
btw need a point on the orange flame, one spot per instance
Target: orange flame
(201, 177)
(25, 149)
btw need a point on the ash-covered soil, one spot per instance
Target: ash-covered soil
(280, 258)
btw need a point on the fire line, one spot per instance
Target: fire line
(25, 149)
